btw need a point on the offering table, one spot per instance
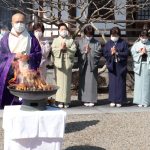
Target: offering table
(33, 130)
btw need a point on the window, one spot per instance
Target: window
(144, 12)
(105, 13)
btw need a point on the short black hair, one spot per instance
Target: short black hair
(62, 24)
(144, 32)
(38, 25)
(115, 31)
(89, 30)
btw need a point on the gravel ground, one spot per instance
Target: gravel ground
(118, 131)
(128, 130)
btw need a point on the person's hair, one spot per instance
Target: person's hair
(89, 30)
(62, 24)
(4, 28)
(144, 33)
(115, 31)
(19, 13)
(38, 26)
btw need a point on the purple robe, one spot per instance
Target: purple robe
(117, 70)
(6, 72)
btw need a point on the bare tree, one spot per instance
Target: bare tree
(89, 11)
(79, 13)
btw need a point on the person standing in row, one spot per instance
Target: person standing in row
(38, 30)
(63, 49)
(89, 50)
(141, 57)
(116, 54)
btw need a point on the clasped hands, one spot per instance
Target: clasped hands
(87, 49)
(142, 51)
(113, 50)
(63, 47)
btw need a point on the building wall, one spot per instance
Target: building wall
(52, 29)
(5, 17)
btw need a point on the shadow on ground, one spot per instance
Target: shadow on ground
(78, 126)
(84, 147)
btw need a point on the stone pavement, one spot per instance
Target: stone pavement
(102, 127)
(103, 106)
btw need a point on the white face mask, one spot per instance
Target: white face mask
(144, 40)
(3, 32)
(38, 34)
(88, 38)
(114, 38)
(19, 27)
(63, 33)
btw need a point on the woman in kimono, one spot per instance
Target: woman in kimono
(63, 49)
(88, 57)
(38, 30)
(116, 53)
(141, 57)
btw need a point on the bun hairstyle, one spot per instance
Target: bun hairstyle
(38, 26)
(89, 30)
(115, 31)
(62, 24)
(144, 33)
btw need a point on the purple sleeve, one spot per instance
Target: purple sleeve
(35, 54)
(5, 56)
(5, 62)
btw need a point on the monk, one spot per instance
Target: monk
(18, 44)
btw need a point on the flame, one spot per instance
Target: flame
(27, 79)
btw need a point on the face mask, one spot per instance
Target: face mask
(63, 33)
(88, 38)
(19, 27)
(38, 34)
(3, 32)
(114, 39)
(143, 40)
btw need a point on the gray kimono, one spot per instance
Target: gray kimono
(88, 69)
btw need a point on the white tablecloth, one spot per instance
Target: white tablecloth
(33, 130)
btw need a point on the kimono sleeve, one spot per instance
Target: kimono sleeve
(71, 49)
(55, 49)
(97, 53)
(135, 54)
(109, 58)
(124, 54)
(35, 54)
(98, 50)
(106, 51)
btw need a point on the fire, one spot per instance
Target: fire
(27, 79)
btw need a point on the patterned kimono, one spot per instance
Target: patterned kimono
(6, 72)
(117, 67)
(88, 69)
(141, 74)
(63, 63)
